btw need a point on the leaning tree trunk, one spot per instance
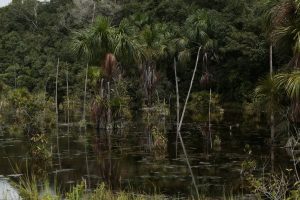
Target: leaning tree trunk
(181, 121)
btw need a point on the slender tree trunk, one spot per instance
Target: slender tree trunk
(44, 111)
(94, 10)
(180, 124)
(35, 12)
(15, 76)
(56, 112)
(272, 118)
(109, 108)
(87, 163)
(68, 108)
(271, 61)
(209, 118)
(110, 156)
(84, 98)
(56, 93)
(177, 106)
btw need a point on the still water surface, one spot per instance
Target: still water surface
(126, 158)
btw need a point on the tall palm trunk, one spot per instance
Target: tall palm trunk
(272, 118)
(177, 105)
(56, 112)
(271, 60)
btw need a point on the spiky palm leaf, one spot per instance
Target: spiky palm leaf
(127, 47)
(267, 95)
(196, 30)
(184, 56)
(196, 26)
(284, 29)
(290, 82)
(103, 35)
(82, 44)
(94, 42)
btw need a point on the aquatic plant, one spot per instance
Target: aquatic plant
(31, 187)
(198, 107)
(159, 139)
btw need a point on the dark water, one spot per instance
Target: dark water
(127, 158)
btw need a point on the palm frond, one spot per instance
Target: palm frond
(290, 82)
(184, 56)
(82, 44)
(267, 94)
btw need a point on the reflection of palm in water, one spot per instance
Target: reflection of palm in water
(109, 168)
(207, 134)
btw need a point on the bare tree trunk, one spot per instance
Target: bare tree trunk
(84, 98)
(181, 120)
(109, 108)
(35, 11)
(272, 118)
(56, 112)
(101, 120)
(271, 61)
(209, 118)
(56, 86)
(94, 9)
(177, 106)
(87, 163)
(110, 156)
(15, 76)
(68, 108)
(44, 111)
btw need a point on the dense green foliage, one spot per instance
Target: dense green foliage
(92, 61)
(33, 35)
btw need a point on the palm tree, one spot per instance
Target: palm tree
(153, 46)
(267, 98)
(290, 83)
(92, 44)
(103, 43)
(284, 33)
(198, 26)
(284, 29)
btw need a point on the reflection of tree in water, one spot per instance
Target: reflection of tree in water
(154, 139)
(40, 154)
(206, 134)
(109, 168)
(87, 163)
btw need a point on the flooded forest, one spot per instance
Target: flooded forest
(149, 99)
